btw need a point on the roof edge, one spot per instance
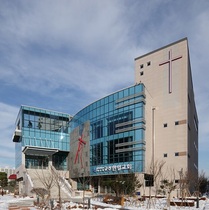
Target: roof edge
(181, 40)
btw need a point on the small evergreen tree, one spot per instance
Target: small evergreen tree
(167, 187)
(131, 184)
(12, 185)
(3, 179)
(123, 184)
(202, 183)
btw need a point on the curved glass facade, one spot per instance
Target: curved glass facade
(115, 133)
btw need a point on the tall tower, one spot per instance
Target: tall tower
(170, 113)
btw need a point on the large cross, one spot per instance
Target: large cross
(169, 61)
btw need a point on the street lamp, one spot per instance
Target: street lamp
(154, 108)
(83, 184)
(153, 137)
(24, 183)
(180, 184)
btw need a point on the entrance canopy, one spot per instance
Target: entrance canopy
(39, 151)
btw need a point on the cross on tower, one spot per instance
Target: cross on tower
(169, 61)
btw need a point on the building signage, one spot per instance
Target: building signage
(113, 168)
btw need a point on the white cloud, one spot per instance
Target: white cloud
(8, 115)
(48, 50)
(88, 42)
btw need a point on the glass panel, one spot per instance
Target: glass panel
(114, 157)
(97, 154)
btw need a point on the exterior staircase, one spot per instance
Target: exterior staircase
(41, 178)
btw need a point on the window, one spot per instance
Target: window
(141, 66)
(97, 129)
(35, 162)
(149, 180)
(141, 73)
(176, 181)
(60, 161)
(176, 154)
(44, 121)
(114, 156)
(165, 125)
(165, 155)
(97, 154)
(177, 123)
(149, 63)
(117, 119)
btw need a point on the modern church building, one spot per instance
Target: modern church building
(130, 131)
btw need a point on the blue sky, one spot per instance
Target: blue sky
(63, 55)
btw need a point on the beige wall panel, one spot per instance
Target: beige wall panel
(171, 104)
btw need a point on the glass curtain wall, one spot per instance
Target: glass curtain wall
(117, 131)
(44, 129)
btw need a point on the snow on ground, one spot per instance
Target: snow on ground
(9, 200)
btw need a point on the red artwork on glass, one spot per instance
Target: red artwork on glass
(78, 156)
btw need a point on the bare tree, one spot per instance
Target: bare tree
(184, 182)
(58, 182)
(47, 180)
(40, 192)
(84, 179)
(168, 184)
(157, 169)
(154, 171)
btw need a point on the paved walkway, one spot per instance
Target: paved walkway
(12, 203)
(206, 205)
